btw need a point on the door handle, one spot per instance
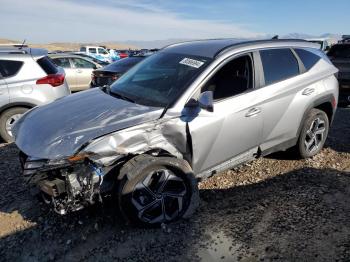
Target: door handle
(253, 112)
(308, 91)
(79, 71)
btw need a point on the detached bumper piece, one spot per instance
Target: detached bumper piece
(67, 187)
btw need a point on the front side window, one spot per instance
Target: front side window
(308, 58)
(82, 63)
(234, 78)
(62, 62)
(278, 64)
(160, 79)
(92, 50)
(9, 68)
(102, 51)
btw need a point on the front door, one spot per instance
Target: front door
(234, 127)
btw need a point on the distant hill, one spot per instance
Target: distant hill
(72, 46)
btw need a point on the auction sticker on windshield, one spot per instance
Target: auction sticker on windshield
(191, 62)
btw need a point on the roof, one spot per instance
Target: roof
(35, 52)
(213, 47)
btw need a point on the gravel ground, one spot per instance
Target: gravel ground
(276, 208)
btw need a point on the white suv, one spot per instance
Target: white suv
(28, 78)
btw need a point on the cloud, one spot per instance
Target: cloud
(58, 20)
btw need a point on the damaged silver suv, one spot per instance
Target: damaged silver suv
(189, 111)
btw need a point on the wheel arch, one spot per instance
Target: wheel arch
(16, 104)
(324, 103)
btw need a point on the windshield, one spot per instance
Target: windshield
(159, 79)
(341, 51)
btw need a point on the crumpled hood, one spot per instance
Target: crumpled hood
(60, 128)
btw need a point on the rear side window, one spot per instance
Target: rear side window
(92, 50)
(308, 58)
(279, 65)
(82, 63)
(82, 49)
(62, 62)
(47, 65)
(9, 68)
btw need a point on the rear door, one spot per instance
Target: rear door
(8, 70)
(285, 96)
(71, 75)
(4, 95)
(83, 69)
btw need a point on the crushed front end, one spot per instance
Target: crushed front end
(69, 186)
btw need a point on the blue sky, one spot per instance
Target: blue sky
(116, 20)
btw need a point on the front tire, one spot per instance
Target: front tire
(313, 133)
(156, 190)
(7, 119)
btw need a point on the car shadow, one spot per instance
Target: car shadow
(301, 215)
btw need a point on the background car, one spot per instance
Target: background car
(78, 70)
(102, 63)
(108, 74)
(339, 54)
(28, 78)
(97, 52)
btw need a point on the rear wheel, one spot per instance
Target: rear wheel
(313, 134)
(7, 120)
(157, 190)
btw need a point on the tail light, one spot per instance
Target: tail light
(334, 102)
(114, 77)
(53, 80)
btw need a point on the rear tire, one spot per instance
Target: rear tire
(313, 133)
(156, 190)
(7, 119)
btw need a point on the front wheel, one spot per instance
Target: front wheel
(313, 133)
(156, 190)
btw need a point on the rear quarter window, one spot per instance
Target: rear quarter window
(9, 68)
(308, 58)
(47, 65)
(279, 65)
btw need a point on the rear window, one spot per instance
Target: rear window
(123, 64)
(341, 51)
(47, 65)
(9, 68)
(279, 65)
(309, 59)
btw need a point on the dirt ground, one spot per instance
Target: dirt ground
(276, 208)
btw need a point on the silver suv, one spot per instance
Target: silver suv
(27, 79)
(189, 111)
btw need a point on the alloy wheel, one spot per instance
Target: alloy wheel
(315, 135)
(160, 197)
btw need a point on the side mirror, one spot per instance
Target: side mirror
(205, 101)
